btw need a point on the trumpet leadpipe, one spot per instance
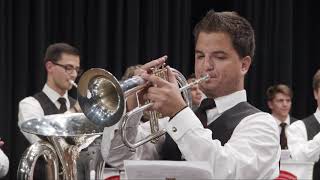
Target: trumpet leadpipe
(197, 81)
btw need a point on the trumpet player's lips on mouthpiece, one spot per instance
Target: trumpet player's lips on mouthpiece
(207, 74)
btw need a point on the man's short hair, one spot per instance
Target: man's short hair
(279, 88)
(54, 51)
(237, 27)
(316, 81)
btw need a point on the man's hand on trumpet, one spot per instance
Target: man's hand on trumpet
(165, 94)
(132, 100)
(146, 67)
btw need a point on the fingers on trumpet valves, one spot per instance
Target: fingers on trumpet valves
(160, 61)
(172, 75)
(154, 63)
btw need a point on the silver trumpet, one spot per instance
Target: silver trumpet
(103, 99)
(154, 125)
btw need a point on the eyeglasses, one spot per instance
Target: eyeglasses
(69, 68)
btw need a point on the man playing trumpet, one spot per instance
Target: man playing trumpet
(236, 139)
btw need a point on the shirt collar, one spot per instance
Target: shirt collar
(287, 121)
(226, 102)
(53, 95)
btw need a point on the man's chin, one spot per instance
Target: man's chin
(285, 114)
(208, 88)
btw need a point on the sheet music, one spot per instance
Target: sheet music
(164, 170)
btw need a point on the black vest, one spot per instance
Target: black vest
(47, 105)
(292, 119)
(222, 129)
(48, 108)
(313, 127)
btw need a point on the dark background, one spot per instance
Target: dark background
(114, 34)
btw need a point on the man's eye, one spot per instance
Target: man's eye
(221, 57)
(69, 67)
(199, 56)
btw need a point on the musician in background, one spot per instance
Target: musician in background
(236, 139)
(304, 135)
(4, 161)
(279, 102)
(130, 72)
(62, 64)
(132, 100)
(196, 93)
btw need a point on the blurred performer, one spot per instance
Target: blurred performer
(279, 101)
(196, 93)
(4, 161)
(304, 136)
(130, 72)
(62, 63)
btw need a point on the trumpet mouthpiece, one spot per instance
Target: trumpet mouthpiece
(73, 84)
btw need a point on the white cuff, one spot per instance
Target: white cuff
(182, 122)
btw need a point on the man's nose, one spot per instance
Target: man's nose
(286, 103)
(198, 91)
(74, 73)
(209, 64)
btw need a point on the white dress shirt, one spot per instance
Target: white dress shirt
(30, 108)
(4, 164)
(252, 152)
(287, 121)
(300, 148)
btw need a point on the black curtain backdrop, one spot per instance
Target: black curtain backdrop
(115, 34)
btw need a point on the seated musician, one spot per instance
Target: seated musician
(62, 64)
(235, 138)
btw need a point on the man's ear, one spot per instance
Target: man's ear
(245, 64)
(315, 93)
(270, 104)
(49, 65)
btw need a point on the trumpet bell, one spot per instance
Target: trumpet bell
(100, 98)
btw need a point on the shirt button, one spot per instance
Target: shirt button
(174, 129)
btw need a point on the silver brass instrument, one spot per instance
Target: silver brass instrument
(30, 156)
(63, 136)
(103, 99)
(154, 123)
